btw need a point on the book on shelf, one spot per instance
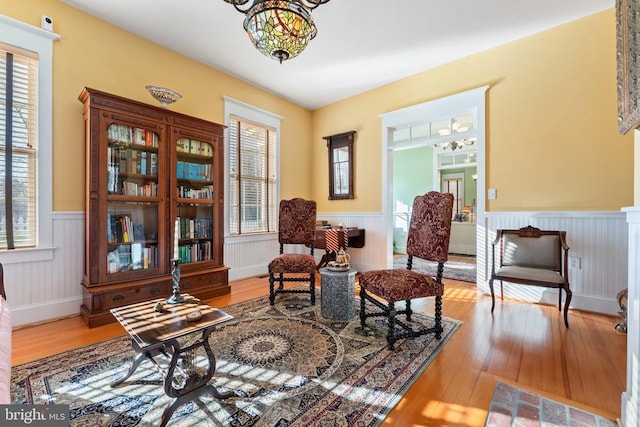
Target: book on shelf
(183, 145)
(153, 164)
(194, 146)
(124, 133)
(119, 229)
(136, 256)
(194, 171)
(143, 163)
(139, 136)
(206, 149)
(206, 192)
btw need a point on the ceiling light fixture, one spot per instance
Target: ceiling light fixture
(456, 144)
(277, 28)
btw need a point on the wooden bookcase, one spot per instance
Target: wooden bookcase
(148, 172)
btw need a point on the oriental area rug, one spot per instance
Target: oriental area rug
(514, 407)
(287, 365)
(464, 271)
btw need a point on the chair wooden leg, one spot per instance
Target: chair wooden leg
(272, 294)
(566, 306)
(391, 337)
(408, 310)
(312, 288)
(493, 298)
(363, 315)
(438, 314)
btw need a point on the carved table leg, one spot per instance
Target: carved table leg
(140, 357)
(195, 383)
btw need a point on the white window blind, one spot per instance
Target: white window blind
(18, 147)
(252, 177)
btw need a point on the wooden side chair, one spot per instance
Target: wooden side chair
(296, 226)
(428, 239)
(534, 257)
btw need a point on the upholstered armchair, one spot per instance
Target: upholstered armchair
(534, 257)
(296, 226)
(428, 239)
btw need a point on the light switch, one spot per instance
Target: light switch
(491, 193)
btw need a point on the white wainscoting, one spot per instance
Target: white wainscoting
(598, 242)
(42, 290)
(631, 396)
(249, 256)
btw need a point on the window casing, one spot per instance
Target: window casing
(252, 165)
(27, 40)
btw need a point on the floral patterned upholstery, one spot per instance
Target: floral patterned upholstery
(296, 226)
(428, 239)
(430, 227)
(400, 285)
(297, 222)
(293, 263)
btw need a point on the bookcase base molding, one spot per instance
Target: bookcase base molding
(98, 301)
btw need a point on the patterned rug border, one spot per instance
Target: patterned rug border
(31, 380)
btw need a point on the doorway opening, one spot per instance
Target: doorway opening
(430, 134)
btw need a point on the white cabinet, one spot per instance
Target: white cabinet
(463, 238)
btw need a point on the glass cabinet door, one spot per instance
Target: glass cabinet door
(194, 207)
(133, 202)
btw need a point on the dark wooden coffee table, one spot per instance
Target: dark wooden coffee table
(155, 334)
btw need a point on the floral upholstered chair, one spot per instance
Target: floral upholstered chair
(296, 226)
(428, 239)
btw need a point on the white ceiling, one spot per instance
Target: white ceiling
(361, 44)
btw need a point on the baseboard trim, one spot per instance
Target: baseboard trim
(45, 312)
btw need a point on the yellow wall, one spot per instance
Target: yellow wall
(552, 140)
(93, 53)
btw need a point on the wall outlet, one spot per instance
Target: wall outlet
(491, 194)
(575, 262)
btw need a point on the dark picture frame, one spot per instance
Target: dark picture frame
(628, 64)
(341, 165)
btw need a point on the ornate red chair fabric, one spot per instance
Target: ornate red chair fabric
(428, 239)
(296, 226)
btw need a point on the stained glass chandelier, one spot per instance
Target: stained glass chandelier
(277, 28)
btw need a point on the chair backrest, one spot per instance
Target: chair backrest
(430, 226)
(297, 222)
(532, 247)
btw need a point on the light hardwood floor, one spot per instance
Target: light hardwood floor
(521, 343)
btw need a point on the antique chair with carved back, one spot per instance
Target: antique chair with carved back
(530, 256)
(428, 239)
(296, 226)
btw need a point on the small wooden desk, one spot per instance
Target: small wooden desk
(355, 237)
(156, 333)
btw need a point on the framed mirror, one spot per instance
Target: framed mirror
(628, 51)
(340, 165)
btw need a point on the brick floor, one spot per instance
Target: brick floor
(512, 407)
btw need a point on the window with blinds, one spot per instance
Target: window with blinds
(252, 177)
(18, 147)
